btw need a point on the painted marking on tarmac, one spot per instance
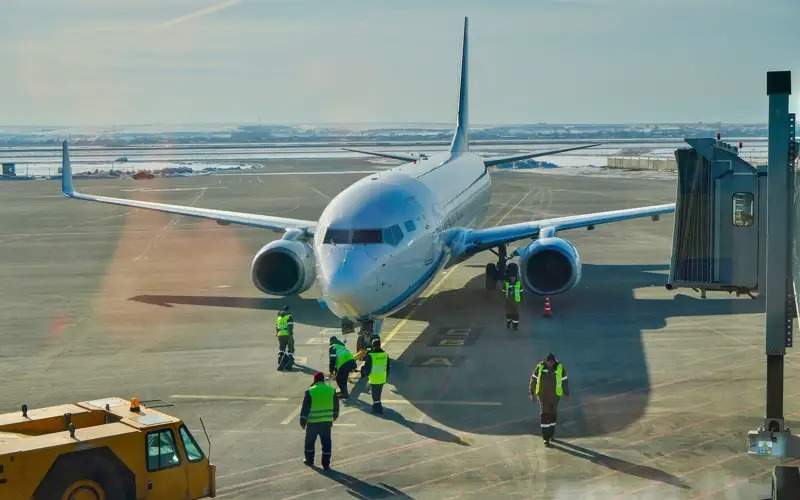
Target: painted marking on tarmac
(158, 190)
(335, 172)
(442, 402)
(292, 415)
(221, 397)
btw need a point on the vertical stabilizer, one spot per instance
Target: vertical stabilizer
(66, 171)
(461, 136)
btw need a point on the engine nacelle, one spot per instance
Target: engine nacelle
(550, 266)
(284, 267)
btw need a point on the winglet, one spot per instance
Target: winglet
(461, 136)
(66, 172)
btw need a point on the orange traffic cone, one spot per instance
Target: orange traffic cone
(548, 308)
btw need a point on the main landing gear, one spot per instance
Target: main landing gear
(501, 270)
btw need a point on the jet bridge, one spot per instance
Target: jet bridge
(730, 235)
(718, 238)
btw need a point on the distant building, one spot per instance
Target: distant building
(9, 170)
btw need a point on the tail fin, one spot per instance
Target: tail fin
(66, 171)
(461, 136)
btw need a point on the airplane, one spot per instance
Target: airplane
(380, 242)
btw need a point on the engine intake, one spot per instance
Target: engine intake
(284, 267)
(550, 266)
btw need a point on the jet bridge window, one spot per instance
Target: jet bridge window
(742, 209)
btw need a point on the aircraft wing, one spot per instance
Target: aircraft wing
(278, 224)
(534, 154)
(476, 240)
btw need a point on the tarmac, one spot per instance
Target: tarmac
(101, 301)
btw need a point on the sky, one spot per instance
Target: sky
(106, 62)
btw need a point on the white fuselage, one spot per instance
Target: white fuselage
(381, 241)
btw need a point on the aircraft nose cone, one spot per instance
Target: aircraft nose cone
(349, 284)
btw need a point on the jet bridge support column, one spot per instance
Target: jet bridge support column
(780, 184)
(773, 438)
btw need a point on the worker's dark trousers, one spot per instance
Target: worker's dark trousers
(377, 407)
(548, 408)
(512, 314)
(323, 430)
(341, 376)
(283, 343)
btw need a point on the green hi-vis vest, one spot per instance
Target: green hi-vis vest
(343, 355)
(321, 403)
(377, 373)
(517, 290)
(282, 324)
(559, 376)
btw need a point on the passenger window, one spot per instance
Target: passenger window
(193, 452)
(161, 452)
(743, 209)
(410, 226)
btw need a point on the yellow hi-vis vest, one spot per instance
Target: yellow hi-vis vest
(343, 355)
(321, 403)
(559, 376)
(282, 324)
(517, 290)
(377, 373)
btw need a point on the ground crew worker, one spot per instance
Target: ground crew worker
(376, 368)
(341, 365)
(284, 330)
(549, 383)
(320, 408)
(512, 290)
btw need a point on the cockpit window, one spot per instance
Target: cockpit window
(367, 236)
(391, 235)
(337, 236)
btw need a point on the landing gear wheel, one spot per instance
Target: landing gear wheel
(491, 276)
(84, 489)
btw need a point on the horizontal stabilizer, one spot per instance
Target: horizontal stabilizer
(394, 156)
(524, 156)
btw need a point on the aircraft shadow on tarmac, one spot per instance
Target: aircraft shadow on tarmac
(421, 428)
(309, 310)
(363, 490)
(619, 465)
(596, 330)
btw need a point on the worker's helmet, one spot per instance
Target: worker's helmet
(376, 342)
(551, 357)
(319, 377)
(333, 340)
(285, 309)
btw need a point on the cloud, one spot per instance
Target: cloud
(211, 9)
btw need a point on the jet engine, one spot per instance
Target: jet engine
(284, 267)
(550, 266)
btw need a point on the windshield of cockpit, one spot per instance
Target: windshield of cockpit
(391, 235)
